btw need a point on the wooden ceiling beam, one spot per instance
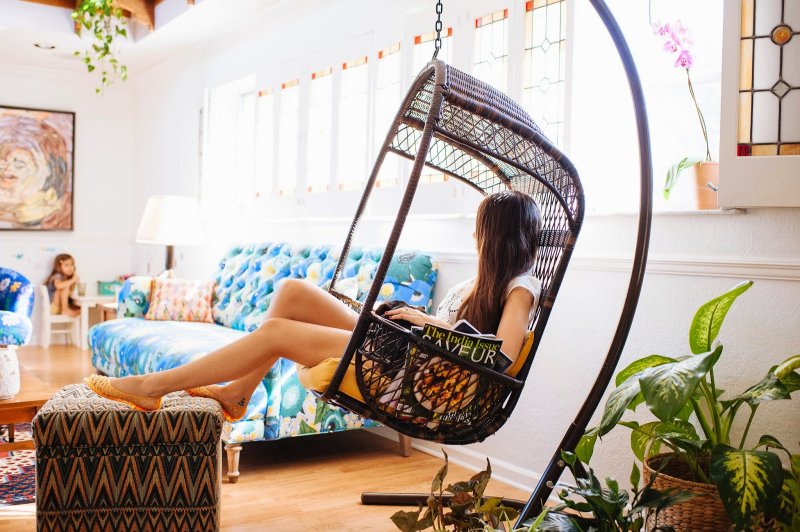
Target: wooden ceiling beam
(142, 11)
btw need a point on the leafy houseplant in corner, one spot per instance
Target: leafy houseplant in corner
(105, 22)
(754, 487)
(677, 41)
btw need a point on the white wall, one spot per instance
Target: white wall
(104, 177)
(688, 251)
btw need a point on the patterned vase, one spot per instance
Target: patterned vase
(9, 372)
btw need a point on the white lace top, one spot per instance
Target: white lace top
(448, 307)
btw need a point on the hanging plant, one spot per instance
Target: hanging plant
(106, 22)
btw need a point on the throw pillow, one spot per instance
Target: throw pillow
(180, 300)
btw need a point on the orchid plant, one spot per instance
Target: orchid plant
(677, 42)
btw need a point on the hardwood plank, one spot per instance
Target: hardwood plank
(303, 483)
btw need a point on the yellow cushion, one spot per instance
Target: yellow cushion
(319, 377)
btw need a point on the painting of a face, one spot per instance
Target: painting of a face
(36, 169)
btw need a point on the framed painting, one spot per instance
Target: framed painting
(36, 169)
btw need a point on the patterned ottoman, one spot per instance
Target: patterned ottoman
(102, 466)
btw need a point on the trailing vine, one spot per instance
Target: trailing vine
(107, 23)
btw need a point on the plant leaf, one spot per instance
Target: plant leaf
(788, 504)
(636, 475)
(709, 317)
(748, 481)
(675, 171)
(787, 366)
(436, 485)
(617, 402)
(769, 389)
(585, 447)
(791, 381)
(637, 366)
(668, 387)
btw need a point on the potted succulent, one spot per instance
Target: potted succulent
(754, 487)
(677, 42)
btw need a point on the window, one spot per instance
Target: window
(353, 124)
(423, 51)
(388, 95)
(265, 143)
(760, 148)
(288, 122)
(424, 46)
(227, 174)
(491, 49)
(320, 113)
(544, 66)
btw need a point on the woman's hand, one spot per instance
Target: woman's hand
(409, 314)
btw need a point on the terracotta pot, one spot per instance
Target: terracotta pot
(706, 173)
(702, 513)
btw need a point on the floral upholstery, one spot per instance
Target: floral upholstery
(244, 284)
(16, 306)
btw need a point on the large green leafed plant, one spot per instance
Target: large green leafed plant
(755, 487)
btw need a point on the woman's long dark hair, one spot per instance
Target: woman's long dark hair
(507, 231)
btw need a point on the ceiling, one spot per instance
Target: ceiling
(178, 26)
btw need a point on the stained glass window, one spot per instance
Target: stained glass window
(265, 143)
(424, 45)
(769, 78)
(544, 70)
(320, 113)
(388, 94)
(288, 125)
(491, 49)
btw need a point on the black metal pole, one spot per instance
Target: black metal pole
(555, 467)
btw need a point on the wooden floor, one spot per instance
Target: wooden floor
(304, 483)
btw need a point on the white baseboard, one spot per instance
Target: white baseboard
(502, 471)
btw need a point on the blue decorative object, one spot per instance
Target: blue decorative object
(16, 306)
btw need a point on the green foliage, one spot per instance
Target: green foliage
(753, 485)
(467, 510)
(675, 171)
(106, 23)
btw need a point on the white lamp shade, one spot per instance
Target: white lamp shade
(172, 221)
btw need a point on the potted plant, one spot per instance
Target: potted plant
(676, 42)
(602, 508)
(106, 22)
(753, 486)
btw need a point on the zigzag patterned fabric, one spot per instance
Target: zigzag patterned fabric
(102, 466)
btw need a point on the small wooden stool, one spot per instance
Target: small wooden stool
(101, 465)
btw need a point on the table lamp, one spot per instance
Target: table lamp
(171, 221)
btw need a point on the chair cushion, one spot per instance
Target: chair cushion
(15, 329)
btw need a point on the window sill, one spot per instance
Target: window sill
(714, 212)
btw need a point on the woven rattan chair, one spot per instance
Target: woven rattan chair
(471, 132)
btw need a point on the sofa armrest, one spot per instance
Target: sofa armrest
(134, 297)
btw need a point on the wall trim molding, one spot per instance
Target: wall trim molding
(698, 266)
(462, 455)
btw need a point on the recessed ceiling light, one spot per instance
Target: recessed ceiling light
(44, 46)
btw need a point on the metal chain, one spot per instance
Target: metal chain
(437, 44)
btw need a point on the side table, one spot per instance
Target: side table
(21, 408)
(86, 302)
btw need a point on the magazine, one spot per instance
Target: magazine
(430, 388)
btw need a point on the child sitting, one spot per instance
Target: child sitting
(61, 283)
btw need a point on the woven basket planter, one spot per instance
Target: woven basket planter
(702, 513)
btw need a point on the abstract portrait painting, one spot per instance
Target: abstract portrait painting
(36, 169)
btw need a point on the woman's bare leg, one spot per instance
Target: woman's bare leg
(305, 343)
(300, 300)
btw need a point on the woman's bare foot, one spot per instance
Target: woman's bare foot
(134, 384)
(233, 403)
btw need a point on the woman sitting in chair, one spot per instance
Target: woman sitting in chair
(308, 325)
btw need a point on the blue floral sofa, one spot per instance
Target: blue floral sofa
(244, 284)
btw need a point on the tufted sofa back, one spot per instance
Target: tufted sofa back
(248, 275)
